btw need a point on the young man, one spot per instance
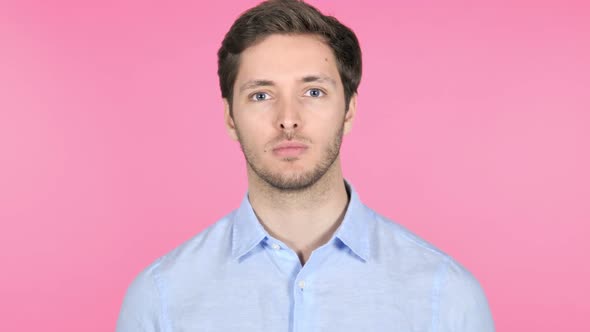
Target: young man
(301, 253)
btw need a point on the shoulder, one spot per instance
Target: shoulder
(212, 244)
(393, 240)
(457, 298)
(142, 304)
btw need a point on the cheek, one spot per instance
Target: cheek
(326, 121)
(252, 133)
(254, 115)
(328, 108)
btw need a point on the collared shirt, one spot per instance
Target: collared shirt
(373, 275)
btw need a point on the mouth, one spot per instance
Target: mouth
(289, 149)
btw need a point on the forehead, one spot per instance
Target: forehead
(287, 58)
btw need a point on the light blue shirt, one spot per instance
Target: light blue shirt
(373, 275)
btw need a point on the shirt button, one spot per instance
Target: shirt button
(301, 284)
(275, 246)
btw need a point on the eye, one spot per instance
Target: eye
(259, 96)
(315, 93)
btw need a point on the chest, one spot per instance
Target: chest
(335, 297)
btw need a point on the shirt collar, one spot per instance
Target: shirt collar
(353, 232)
(247, 232)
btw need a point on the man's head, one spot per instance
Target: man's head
(289, 77)
(288, 17)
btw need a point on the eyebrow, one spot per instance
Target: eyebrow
(318, 79)
(252, 84)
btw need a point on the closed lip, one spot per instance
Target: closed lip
(289, 145)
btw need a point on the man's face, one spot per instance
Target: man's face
(289, 110)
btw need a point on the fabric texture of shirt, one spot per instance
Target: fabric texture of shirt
(373, 275)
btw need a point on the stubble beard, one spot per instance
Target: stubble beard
(300, 181)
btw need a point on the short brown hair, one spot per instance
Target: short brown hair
(288, 17)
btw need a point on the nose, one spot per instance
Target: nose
(288, 115)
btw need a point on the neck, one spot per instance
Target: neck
(302, 219)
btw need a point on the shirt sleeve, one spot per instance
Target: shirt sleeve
(462, 306)
(142, 306)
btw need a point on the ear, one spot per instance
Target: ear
(350, 114)
(229, 121)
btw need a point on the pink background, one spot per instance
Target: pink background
(473, 130)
